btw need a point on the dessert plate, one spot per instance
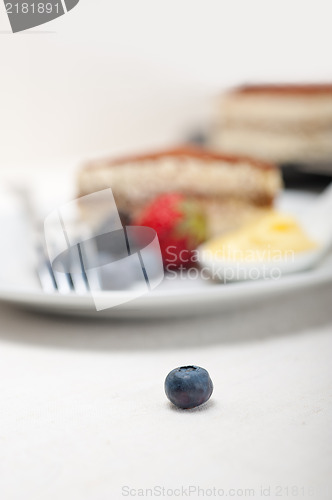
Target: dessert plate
(183, 295)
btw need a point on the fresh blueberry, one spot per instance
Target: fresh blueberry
(188, 386)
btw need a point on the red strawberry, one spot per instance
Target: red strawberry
(180, 225)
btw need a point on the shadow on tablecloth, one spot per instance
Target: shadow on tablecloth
(291, 313)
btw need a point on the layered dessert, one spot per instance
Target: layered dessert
(231, 189)
(287, 124)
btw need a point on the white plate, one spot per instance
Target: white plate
(174, 297)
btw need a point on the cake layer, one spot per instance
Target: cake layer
(294, 89)
(188, 170)
(230, 213)
(229, 188)
(279, 146)
(281, 123)
(306, 105)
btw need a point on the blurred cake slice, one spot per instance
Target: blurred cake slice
(231, 189)
(280, 123)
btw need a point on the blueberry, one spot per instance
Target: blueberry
(188, 386)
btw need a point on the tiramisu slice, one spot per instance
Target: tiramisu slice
(231, 189)
(280, 123)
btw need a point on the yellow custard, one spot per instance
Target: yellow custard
(272, 237)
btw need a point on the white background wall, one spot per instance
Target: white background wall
(119, 75)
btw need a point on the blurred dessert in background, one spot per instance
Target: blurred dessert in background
(232, 190)
(286, 124)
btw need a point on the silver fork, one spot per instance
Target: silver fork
(64, 282)
(56, 279)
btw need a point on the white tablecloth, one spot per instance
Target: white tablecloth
(84, 415)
